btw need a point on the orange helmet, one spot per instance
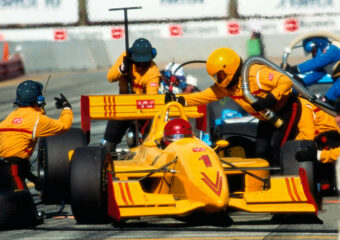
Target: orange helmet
(222, 64)
(176, 129)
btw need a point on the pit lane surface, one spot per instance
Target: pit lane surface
(237, 225)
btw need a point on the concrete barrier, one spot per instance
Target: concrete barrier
(88, 51)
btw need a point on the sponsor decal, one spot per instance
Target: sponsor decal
(291, 25)
(60, 35)
(153, 84)
(175, 30)
(17, 121)
(145, 104)
(206, 160)
(271, 76)
(233, 28)
(215, 187)
(198, 149)
(117, 32)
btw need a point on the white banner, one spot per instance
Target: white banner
(38, 11)
(287, 7)
(98, 10)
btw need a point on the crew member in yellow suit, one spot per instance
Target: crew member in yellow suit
(137, 64)
(323, 129)
(20, 130)
(273, 90)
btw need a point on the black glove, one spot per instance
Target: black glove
(292, 69)
(62, 102)
(125, 64)
(171, 97)
(263, 103)
(309, 154)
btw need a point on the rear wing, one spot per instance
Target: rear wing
(131, 107)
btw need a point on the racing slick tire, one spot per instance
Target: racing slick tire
(290, 166)
(54, 164)
(17, 210)
(88, 176)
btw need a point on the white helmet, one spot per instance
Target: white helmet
(180, 75)
(191, 80)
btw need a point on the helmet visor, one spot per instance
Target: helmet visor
(219, 77)
(174, 137)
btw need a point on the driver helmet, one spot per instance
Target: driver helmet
(313, 44)
(179, 74)
(175, 69)
(29, 93)
(175, 129)
(224, 65)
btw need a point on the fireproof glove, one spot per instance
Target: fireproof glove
(292, 69)
(309, 154)
(124, 66)
(62, 102)
(171, 97)
(263, 103)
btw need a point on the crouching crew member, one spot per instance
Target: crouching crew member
(20, 130)
(321, 127)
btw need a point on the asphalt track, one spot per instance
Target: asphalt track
(60, 223)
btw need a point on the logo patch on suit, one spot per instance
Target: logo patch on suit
(153, 84)
(17, 121)
(271, 76)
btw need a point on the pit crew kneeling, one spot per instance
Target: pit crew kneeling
(19, 133)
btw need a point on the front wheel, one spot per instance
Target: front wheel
(54, 164)
(88, 183)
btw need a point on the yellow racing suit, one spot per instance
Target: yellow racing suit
(145, 82)
(318, 125)
(19, 133)
(262, 80)
(21, 129)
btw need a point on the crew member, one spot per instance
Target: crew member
(321, 127)
(324, 55)
(136, 73)
(273, 90)
(20, 130)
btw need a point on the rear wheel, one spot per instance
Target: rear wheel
(54, 164)
(89, 169)
(17, 210)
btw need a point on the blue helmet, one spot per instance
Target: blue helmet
(314, 43)
(29, 93)
(142, 51)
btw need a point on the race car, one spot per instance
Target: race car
(184, 178)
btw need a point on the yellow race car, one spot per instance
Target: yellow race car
(183, 178)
